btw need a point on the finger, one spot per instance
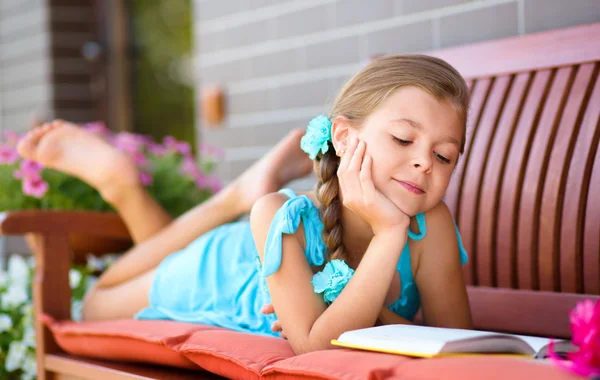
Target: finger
(282, 335)
(267, 309)
(366, 182)
(345, 160)
(276, 326)
(357, 157)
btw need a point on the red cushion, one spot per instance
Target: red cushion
(238, 355)
(125, 340)
(234, 355)
(485, 367)
(353, 364)
(338, 364)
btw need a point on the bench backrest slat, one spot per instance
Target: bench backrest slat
(526, 194)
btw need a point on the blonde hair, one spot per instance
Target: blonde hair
(364, 92)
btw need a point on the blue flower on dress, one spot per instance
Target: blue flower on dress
(332, 279)
(318, 133)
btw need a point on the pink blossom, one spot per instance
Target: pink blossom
(184, 148)
(28, 169)
(156, 149)
(585, 328)
(8, 155)
(35, 186)
(174, 145)
(139, 158)
(11, 138)
(128, 142)
(97, 128)
(212, 151)
(201, 181)
(146, 178)
(214, 183)
(169, 141)
(189, 168)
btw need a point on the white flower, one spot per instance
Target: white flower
(90, 282)
(74, 278)
(30, 261)
(29, 367)
(18, 270)
(95, 264)
(15, 295)
(29, 337)
(3, 279)
(5, 322)
(77, 311)
(15, 357)
(27, 311)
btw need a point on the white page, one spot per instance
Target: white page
(536, 342)
(420, 339)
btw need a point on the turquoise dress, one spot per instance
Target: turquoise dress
(219, 280)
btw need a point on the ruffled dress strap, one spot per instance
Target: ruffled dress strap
(409, 302)
(286, 221)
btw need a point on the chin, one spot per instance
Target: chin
(409, 209)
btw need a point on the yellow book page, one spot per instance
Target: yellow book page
(419, 354)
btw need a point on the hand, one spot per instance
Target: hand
(360, 194)
(276, 326)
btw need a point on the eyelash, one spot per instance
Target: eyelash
(441, 158)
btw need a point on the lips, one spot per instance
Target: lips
(412, 187)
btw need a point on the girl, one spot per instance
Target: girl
(373, 242)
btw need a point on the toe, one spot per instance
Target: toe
(26, 147)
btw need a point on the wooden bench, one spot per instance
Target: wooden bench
(525, 196)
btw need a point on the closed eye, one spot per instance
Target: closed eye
(402, 142)
(442, 159)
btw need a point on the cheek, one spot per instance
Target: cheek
(442, 181)
(380, 172)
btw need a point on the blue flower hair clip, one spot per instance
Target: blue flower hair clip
(318, 133)
(332, 279)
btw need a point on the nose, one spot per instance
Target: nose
(422, 162)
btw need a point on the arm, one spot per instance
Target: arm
(388, 317)
(439, 277)
(307, 321)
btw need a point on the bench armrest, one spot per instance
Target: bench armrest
(49, 234)
(104, 224)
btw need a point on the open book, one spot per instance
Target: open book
(430, 342)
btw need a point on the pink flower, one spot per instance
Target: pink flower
(128, 142)
(97, 128)
(139, 158)
(8, 155)
(146, 178)
(585, 328)
(156, 149)
(28, 169)
(189, 168)
(214, 183)
(35, 186)
(11, 138)
(174, 145)
(201, 181)
(212, 151)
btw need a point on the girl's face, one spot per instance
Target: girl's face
(414, 141)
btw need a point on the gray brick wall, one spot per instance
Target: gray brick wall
(24, 63)
(282, 62)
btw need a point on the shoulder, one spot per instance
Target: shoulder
(266, 206)
(441, 239)
(439, 219)
(263, 215)
(263, 211)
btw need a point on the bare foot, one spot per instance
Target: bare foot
(68, 148)
(285, 162)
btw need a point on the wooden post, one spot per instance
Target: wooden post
(51, 292)
(118, 69)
